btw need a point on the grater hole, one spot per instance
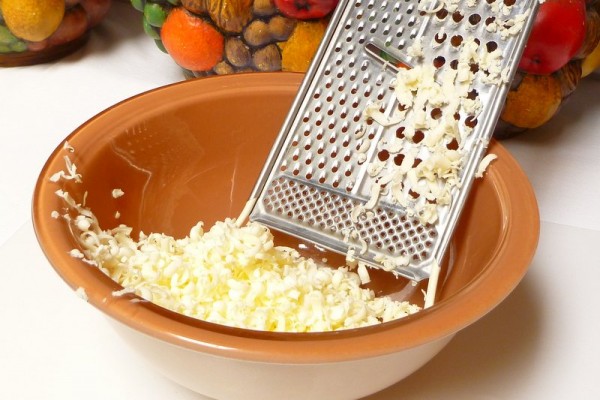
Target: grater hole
(491, 46)
(418, 136)
(439, 62)
(471, 121)
(441, 14)
(440, 37)
(383, 155)
(457, 16)
(398, 158)
(452, 145)
(456, 40)
(474, 19)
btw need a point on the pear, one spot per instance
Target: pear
(33, 20)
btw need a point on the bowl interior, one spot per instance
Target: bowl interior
(193, 151)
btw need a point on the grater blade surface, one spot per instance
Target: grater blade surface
(318, 183)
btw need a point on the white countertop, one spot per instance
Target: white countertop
(542, 342)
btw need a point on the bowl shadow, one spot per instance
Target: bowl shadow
(498, 348)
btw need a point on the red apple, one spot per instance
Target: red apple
(305, 9)
(557, 35)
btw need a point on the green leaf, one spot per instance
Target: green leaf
(155, 14)
(138, 4)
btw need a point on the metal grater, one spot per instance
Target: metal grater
(313, 179)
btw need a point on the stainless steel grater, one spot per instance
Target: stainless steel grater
(317, 175)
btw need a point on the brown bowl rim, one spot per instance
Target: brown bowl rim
(445, 318)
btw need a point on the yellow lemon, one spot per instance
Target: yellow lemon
(32, 20)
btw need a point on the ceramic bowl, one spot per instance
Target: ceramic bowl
(192, 151)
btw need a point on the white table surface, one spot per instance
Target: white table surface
(541, 343)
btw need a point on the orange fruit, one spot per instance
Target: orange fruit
(534, 101)
(298, 51)
(193, 42)
(32, 20)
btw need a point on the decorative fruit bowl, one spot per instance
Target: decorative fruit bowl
(35, 31)
(208, 37)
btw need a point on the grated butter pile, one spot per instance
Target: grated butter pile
(229, 275)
